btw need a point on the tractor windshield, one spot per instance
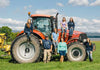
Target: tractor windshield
(42, 24)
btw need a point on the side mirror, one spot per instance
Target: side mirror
(29, 13)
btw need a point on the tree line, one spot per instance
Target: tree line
(8, 32)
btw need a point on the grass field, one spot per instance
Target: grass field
(54, 65)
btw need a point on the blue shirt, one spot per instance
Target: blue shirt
(46, 44)
(89, 47)
(55, 36)
(71, 24)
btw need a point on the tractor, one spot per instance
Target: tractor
(25, 52)
(3, 46)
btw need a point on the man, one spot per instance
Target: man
(47, 44)
(28, 28)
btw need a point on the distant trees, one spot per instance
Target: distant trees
(8, 31)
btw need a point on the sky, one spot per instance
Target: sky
(86, 13)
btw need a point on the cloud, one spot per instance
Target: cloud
(14, 24)
(27, 7)
(96, 3)
(46, 11)
(60, 4)
(82, 24)
(4, 3)
(78, 2)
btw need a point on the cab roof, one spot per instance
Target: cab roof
(40, 15)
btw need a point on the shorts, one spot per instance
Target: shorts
(62, 53)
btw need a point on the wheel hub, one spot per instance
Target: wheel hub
(27, 50)
(76, 53)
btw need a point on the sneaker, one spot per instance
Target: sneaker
(48, 61)
(45, 62)
(91, 60)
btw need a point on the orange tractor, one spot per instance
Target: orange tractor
(24, 52)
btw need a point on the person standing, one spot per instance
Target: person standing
(63, 26)
(71, 26)
(28, 29)
(47, 44)
(54, 38)
(89, 49)
(62, 49)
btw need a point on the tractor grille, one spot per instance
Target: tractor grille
(83, 37)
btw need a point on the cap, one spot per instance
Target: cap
(46, 36)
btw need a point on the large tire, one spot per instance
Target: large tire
(76, 52)
(24, 52)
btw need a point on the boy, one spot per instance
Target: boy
(47, 44)
(28, 29)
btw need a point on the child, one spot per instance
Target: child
(28, 29)
(63, 26)
(71, 26)
(47, 44)
(62, 49)
(54, 38)
(89, 49)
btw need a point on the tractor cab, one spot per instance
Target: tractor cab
(43, 24)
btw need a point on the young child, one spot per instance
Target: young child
(28, 29)
(62, 49)
(47, 44)
(63, 26)
(89, 49)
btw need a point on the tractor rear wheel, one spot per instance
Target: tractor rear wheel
(25, 52)
(76, 52)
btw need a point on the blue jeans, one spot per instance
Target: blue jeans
(62, 30)
(55, 45)
(70, 31)
(89, 54)
(28, 34)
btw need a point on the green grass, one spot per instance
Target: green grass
(54, 65)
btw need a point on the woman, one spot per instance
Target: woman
(71, 26)
(54, 38)
(89, 49)
(63, 26)
(62, 49)
(28, 29)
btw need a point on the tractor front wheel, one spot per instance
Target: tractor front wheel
(76, 52)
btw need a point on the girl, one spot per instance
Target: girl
(28, 29)
(89, 49)
(71, 26)
(63, 26)
(62, 49)
(54, 38)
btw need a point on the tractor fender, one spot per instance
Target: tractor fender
(72, 39)
(36, 32)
